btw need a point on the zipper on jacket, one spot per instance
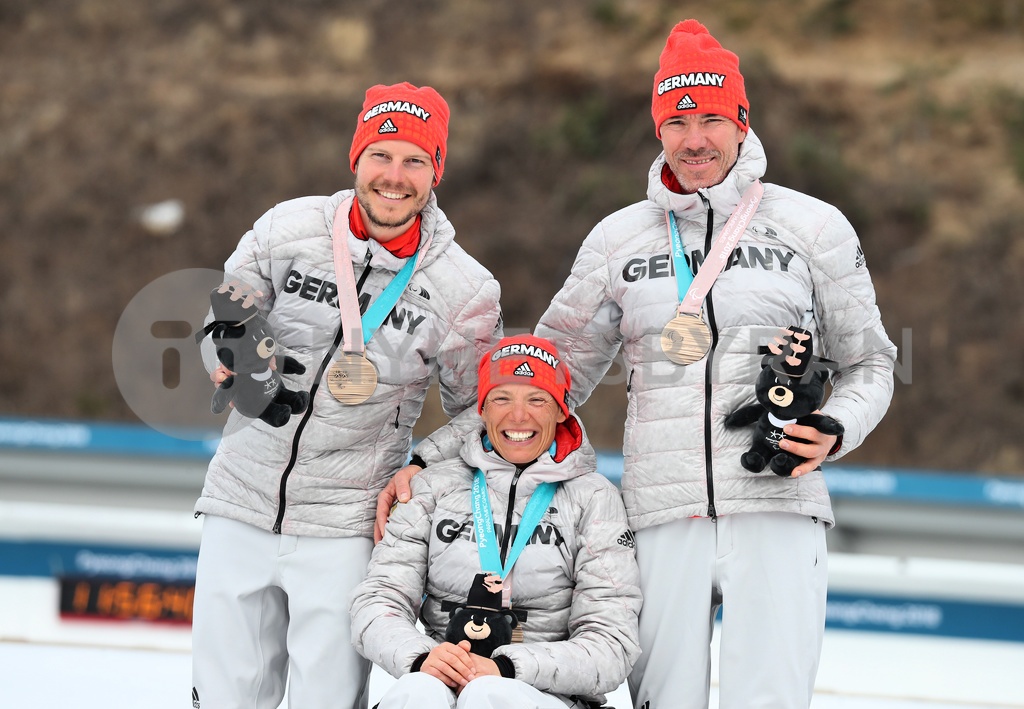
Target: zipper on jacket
(309, 409)
(710, 310)
(511, 508)
(398, 414)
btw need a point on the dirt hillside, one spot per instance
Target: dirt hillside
(908, 116)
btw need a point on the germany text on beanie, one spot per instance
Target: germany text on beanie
(525, 359)
(403, 112)
(696, 75)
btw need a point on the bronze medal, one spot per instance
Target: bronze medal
(686, 339)
(352, 379)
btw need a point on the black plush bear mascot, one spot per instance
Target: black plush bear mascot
(245, 345)
(481, 620)
(789, 389)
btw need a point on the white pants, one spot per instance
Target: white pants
(418, 690)
(272, 605)
(769, 572)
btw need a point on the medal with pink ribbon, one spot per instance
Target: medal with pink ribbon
(686, 338)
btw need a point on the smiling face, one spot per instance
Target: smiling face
(700, 149)
(393, 179)
(521, 421)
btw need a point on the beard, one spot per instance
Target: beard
(692, 179)
(389, 218)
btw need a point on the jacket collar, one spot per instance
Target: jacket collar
(434, 222)
(723, 197)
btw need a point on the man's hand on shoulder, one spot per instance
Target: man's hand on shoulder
(397, 491)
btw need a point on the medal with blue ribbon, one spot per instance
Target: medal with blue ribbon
(483, 522)
(352, 378)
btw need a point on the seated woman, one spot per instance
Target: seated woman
(516, 557)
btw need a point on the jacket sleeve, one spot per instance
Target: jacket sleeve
(251, 259)
(583, 319)
(475, 329)
(603, 638)
(249, 263)
(445, 442)
(851, 332)
(386, 604)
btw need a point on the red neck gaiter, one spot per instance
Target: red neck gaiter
(668, 178)
(402, 246)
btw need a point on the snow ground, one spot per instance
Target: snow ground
(43, 676)
(46, 663)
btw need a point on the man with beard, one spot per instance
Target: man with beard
(369, 292)
(732, 263)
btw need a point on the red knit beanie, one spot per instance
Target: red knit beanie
(696, 75)
(525, 359)
(403, 112)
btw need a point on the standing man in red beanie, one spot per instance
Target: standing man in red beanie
(368, 290)
(690, 283)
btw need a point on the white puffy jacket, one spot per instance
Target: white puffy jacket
(319, 475)
(577, 579)
(799, 262)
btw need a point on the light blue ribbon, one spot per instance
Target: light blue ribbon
(379, 309)
(487, 541)
(684, 277)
